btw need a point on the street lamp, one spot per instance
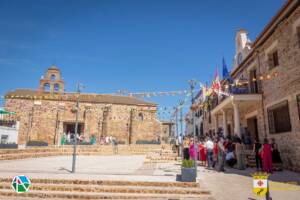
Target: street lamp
(192, 85)
(79, 86)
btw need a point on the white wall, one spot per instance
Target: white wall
(11, 132)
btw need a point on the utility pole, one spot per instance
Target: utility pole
(30, 116)
(176, 121)
(181, 129)
(192, 84)
(79, 86)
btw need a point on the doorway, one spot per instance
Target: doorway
(253, 128)
(69, 127)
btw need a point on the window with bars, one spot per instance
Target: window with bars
(279, 118)
(273, 59)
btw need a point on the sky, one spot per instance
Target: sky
(133, 45)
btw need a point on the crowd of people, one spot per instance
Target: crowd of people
(216, 152)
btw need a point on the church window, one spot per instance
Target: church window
(53, 77)
(240, 58)
(47, 87)
(56, 87)
(273, 59)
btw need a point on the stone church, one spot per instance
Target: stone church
(45, 114)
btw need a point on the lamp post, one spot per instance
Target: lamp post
(192, 85)
(79, 86)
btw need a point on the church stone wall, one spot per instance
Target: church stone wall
(43, 120)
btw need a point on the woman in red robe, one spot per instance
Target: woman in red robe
(202, 151)
(267, 156)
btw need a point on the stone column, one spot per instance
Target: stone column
(225, 131)
(236, 112)
(216, 122)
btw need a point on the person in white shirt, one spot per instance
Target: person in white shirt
(209, 145)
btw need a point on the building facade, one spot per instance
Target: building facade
(265, 87)
(45, 114)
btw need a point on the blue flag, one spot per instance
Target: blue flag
(225, 72)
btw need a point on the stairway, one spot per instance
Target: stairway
(59, 189)
(36, 152)
(250, 158)
(163, 155)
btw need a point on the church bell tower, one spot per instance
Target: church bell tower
(52, 81)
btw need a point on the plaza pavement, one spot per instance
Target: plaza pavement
(230, 185)
(116, 167)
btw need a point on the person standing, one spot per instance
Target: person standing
(258, 160)
(276, 158)
(215, 153)
(266, 152)
(93, 139)
(222, 154)
(202, 151)
(209, 145)
(186, 144)
(192, 150)
(114, 144)
(240, 156)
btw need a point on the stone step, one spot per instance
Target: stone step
(82, 196)
(112, 189)
(109, 182)
(60, 189)
(13, 156)
(71, 149)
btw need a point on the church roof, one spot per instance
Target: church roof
(84, 97)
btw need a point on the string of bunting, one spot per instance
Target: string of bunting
(151, 94)
(263, 77)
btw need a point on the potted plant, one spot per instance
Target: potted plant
(188, 171)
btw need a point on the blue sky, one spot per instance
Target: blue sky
(137, 45)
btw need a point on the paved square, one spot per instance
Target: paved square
(231, 185)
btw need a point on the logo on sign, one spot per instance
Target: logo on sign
(20, 184)
(260, 184)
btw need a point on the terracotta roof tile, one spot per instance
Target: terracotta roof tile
(84, 97)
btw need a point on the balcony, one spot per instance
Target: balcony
(245, 89)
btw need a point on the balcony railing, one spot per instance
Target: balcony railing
(245, 89)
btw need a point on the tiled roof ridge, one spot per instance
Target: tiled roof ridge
(107, 98)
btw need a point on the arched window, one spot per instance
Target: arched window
(141, 117)
(47, 87)
(56, 87)
(53, 77)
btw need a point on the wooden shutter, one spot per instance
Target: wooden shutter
(271, 121)
(270, 61)
(275, 59)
